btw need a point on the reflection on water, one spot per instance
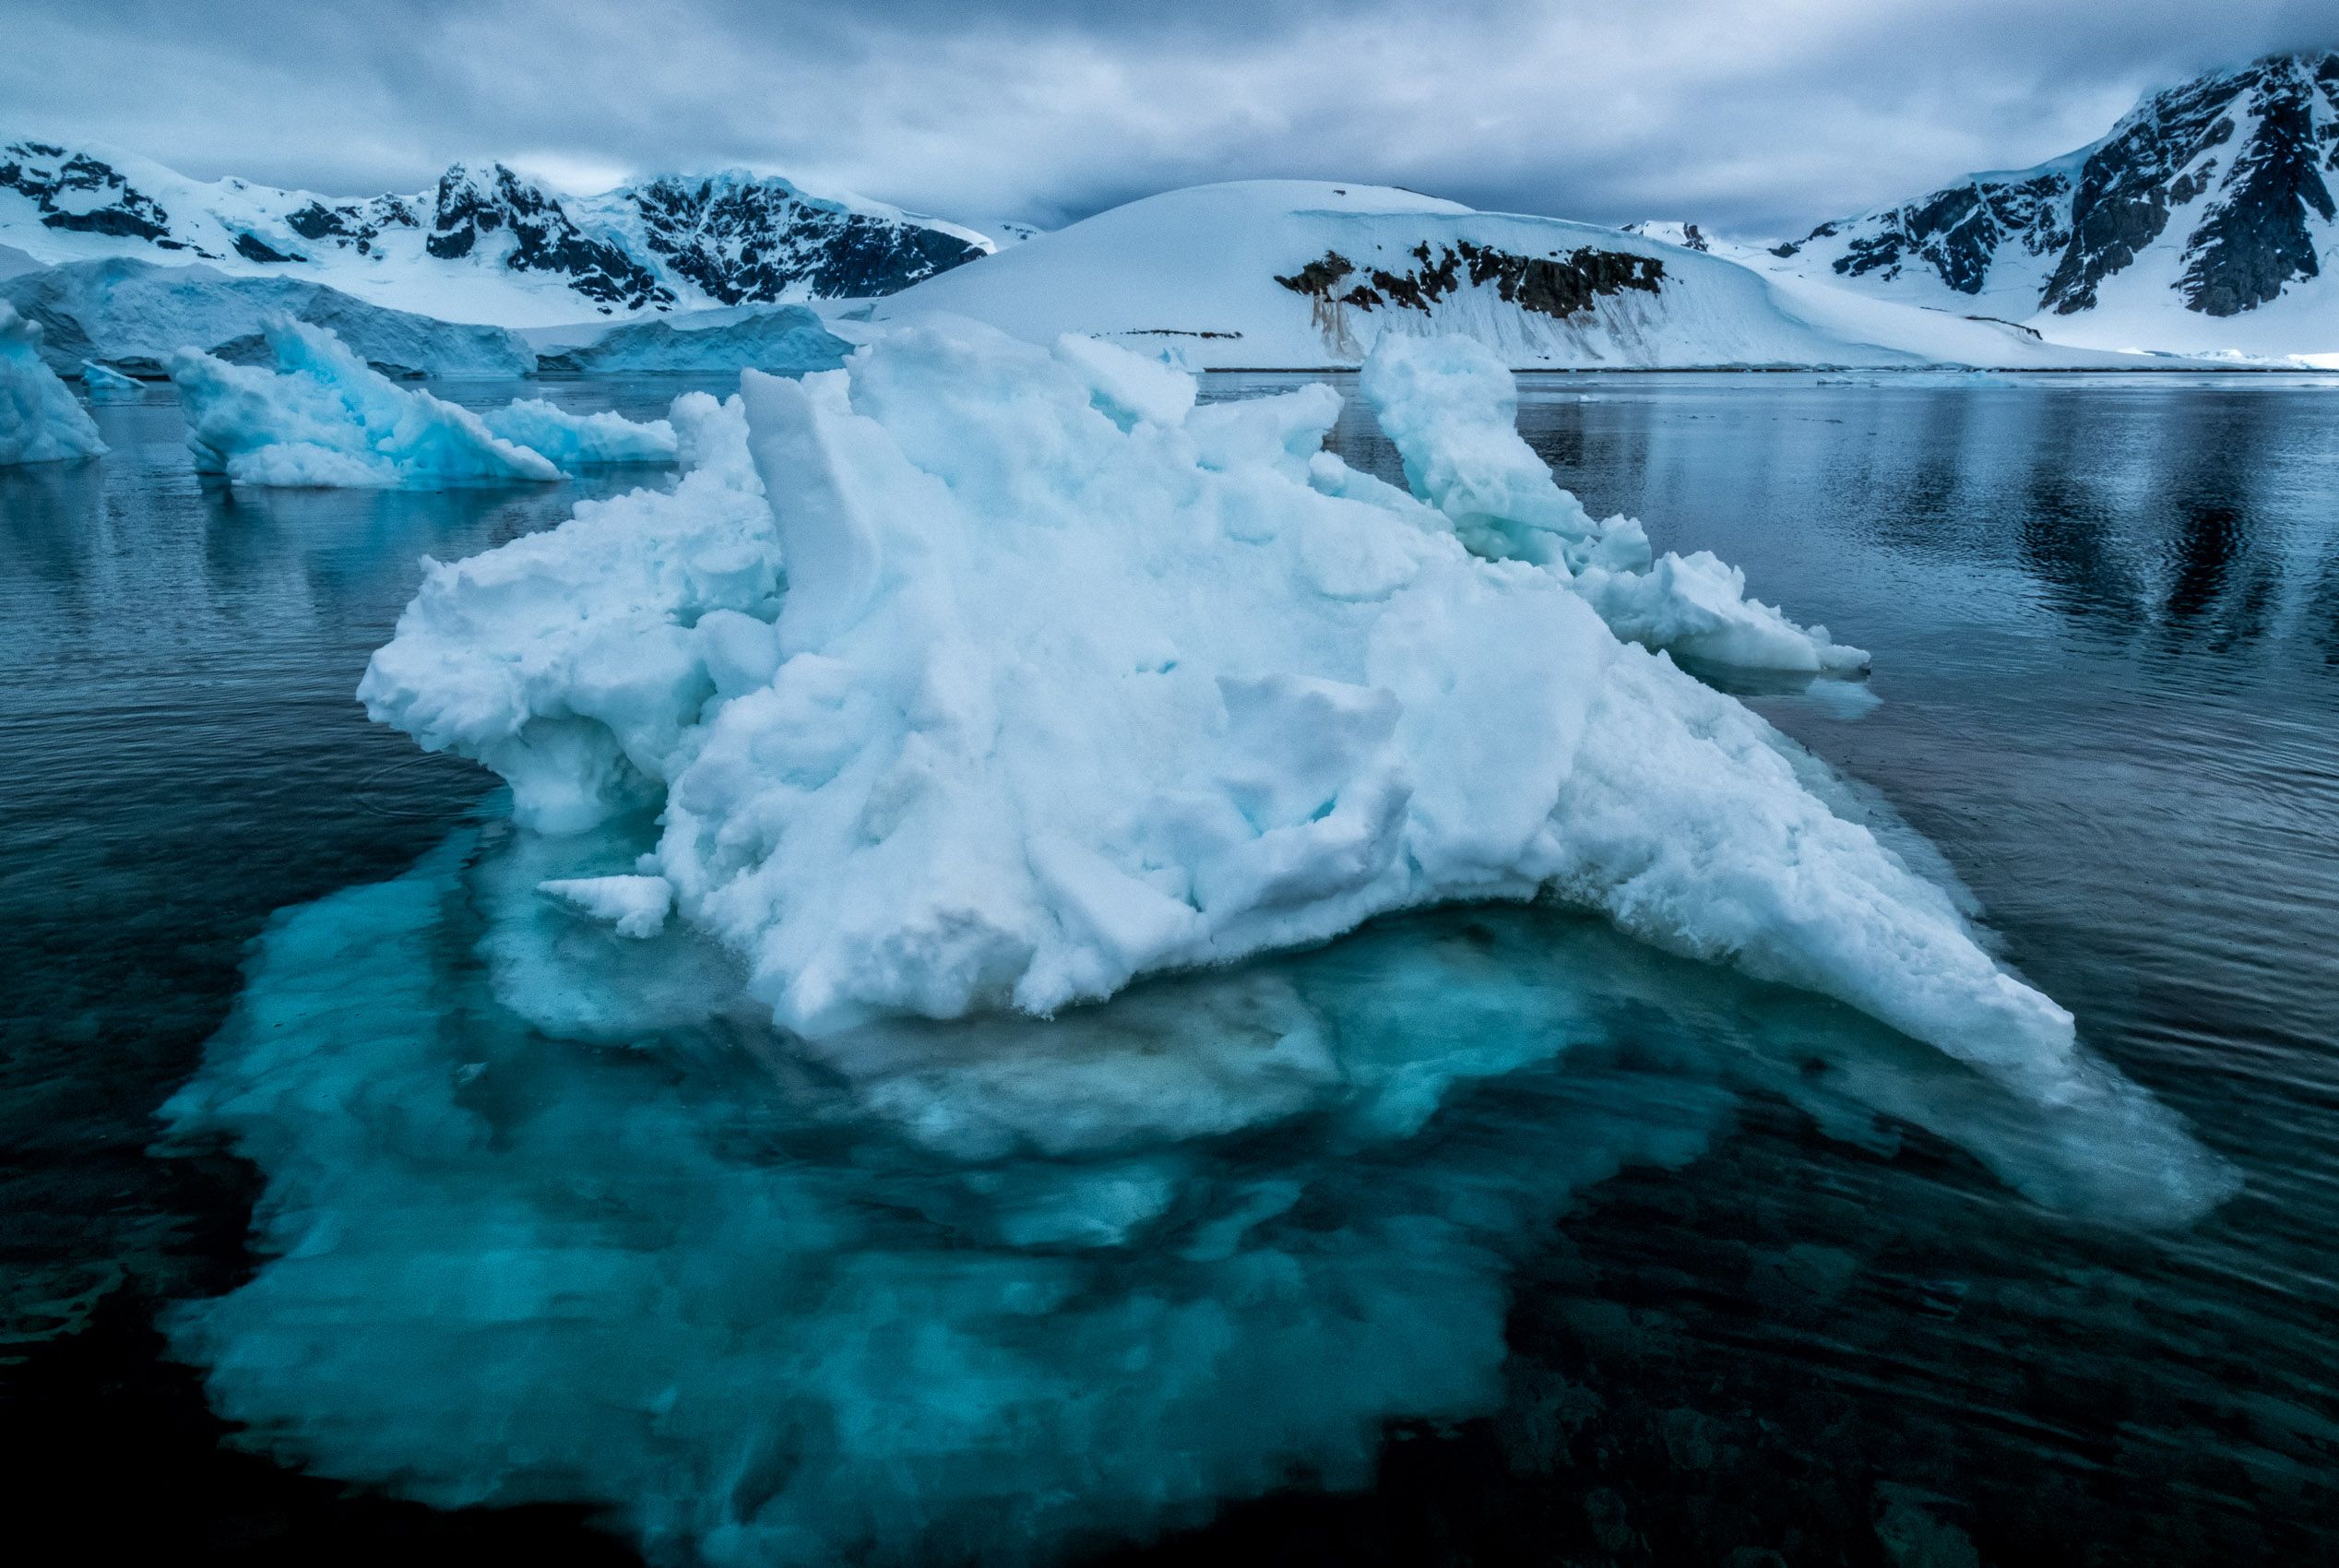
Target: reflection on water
(1483, 1234)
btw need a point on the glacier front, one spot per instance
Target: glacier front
(1002, 676)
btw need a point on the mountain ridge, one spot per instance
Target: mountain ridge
(2211, 199)
(485, 242)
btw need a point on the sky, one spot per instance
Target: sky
(1755, 117)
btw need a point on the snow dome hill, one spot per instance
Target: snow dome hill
(1290, 274)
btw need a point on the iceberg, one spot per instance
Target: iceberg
(784, 340)
(41, 421)
(103, 383)
(579, 441)
(1451, 407)
(134, 315)
(1063, 684)
(322, 417)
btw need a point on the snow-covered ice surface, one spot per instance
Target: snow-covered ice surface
(1069, 684)
(40, 421)
(1197, 271)
(321, 417)
(134, 315)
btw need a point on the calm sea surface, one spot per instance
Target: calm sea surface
(1607, 1258)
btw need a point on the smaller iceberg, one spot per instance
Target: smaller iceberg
(41, 421)
(323, 416)
(783, 340)
(103, 384)
(1450, 406)
(580, 441)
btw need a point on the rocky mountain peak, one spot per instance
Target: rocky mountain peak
(2230, 168)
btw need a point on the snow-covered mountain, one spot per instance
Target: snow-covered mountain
(1295, 274)
(2201, 223)
(486, 244)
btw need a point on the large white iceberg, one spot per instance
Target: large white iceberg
(1066, 682)
(41, 421)
(322, 417)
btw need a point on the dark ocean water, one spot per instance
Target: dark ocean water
(1659, 1267)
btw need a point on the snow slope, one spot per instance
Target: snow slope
(1297, 274)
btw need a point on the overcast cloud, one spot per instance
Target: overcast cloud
(1757, 116)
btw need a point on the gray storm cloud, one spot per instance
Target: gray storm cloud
(1751, 115)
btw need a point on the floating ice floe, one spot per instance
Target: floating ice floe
(40, 421)
(1069, 683)
(783, 339)
(322, 417)
(103, 383)
(580, 441)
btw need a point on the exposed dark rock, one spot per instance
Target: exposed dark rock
(2255, 239)
(743, 240)
(42, 173)
(251, 247)
(1958, 231)
(545, 239)
(1554, 285)
(354, 225)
